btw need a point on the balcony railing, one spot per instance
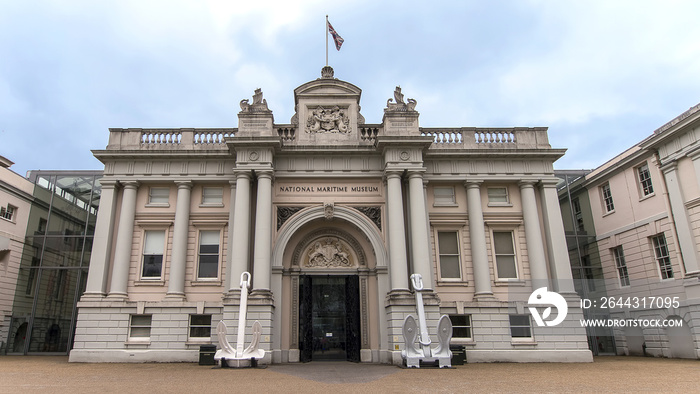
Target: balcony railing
(443, 138)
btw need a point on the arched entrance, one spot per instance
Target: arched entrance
(332, 304)
(331, 271)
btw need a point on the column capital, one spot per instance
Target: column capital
(243, 174)
(549, 183)
(109, 183)
(130, 184)
(417, 172)
(527, 183)
(471, 184)
(393, 174)
(264, 174)
(184, 185)
(671, 166)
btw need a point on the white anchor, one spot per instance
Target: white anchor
(238, 357)
(414, 355)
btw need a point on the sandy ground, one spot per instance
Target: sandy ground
(26, 374)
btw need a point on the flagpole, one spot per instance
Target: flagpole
(326, 40)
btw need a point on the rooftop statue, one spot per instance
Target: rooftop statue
(259, 103)
(400, 105)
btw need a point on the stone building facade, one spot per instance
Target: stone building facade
(15, 203)
(644, 205)
(330, 215)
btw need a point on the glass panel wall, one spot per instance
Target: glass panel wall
(53, 271)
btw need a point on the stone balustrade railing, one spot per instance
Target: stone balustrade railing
(169, 139)
(491, 138)
(443, 138)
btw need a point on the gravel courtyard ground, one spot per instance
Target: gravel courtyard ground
(26, 374)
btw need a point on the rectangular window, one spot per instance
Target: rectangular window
(200, 326)
(461, 326)
(158, 195)
(498, 195)
(140, 327)
(8, 212)
(212, 196)
(607, 198)
(444, 195)
(621, 266)
(662, 256)
(208, 255)
(448, 248)
(578, 215)
(520, 326)
(153, 248)
(645, 180)
(504, 251)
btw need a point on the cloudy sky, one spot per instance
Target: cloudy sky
(602, 75)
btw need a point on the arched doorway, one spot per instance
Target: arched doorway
(332, 296)
(315, 244)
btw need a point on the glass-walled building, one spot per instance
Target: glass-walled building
(54, 262)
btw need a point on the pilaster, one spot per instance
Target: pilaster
(684, 230)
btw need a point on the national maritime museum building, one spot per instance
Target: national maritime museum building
(330, 215)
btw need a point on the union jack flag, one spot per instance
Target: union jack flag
(336, 37)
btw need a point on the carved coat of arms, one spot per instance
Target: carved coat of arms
(329, 252)
(328, 120)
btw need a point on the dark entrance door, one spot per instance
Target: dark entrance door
(329, 318)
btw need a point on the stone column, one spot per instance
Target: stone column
(477, 241)
(102, 242)
(241, 226)
(556, 240)
(684, 231)
(533, 236)
(125, 235)
(397, 238)
(229, 242)
(178, 259)
(420, 243)
(263, 233)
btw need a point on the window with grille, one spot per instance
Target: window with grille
(578, 215)
(448, 249)
(140, 327)
(645, 180)
(520, 326)
(444, 195)
(159, 195)
(498, 195)
(663, 258)
(208, 255)
(621, 266)
(8, 212)
(153, 250)
(461, 326)
(607, 198)
(200, 326)
(504, 252)
(212, 196)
